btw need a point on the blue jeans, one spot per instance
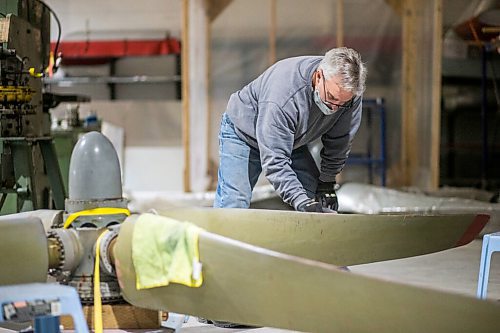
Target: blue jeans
(240, 167)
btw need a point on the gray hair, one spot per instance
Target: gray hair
(345, 63)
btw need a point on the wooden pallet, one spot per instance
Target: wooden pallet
(123, 316)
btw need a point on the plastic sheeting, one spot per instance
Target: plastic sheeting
(144, 201)
(369, 199)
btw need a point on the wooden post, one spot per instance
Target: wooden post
(396, 5)
(197, 15)
(185, 95)
(421, 81)
(213, 9)
(208, 52)
(437, 56)
(408, 132)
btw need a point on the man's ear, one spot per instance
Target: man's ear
(319, 74)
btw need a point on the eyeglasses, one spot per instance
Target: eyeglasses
(332, 105)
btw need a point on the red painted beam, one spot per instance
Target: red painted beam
(86, 52)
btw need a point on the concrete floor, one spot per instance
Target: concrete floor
(453, 270)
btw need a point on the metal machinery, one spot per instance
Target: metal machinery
(94, 206)
(29, 169)
(95, 203)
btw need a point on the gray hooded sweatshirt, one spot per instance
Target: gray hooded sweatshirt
(276, 113)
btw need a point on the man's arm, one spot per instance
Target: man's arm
(337, 142)
(275, 132)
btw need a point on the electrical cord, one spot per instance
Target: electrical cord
(58, 25)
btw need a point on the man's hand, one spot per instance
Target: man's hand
(326, 196)
(311, 206)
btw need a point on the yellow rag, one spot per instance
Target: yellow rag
(165, 251)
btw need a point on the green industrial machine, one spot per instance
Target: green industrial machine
(29, 172)
(64, 141)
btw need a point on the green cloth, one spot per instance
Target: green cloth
(165, 251)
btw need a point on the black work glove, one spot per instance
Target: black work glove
(326, 196)
(312, 206)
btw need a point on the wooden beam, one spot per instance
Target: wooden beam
(118, 316)
(185, 95)
(408, 135)
(421, 81)
(396, 5)
(272, 31)
(490, 30)
(208, 78)
(436, 93)
(195, 98)
(215, 7)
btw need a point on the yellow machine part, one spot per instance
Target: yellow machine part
(13, 94)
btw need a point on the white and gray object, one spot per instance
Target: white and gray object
(371, 199)
(94, 181)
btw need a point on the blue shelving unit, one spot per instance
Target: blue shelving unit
(373, 107)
